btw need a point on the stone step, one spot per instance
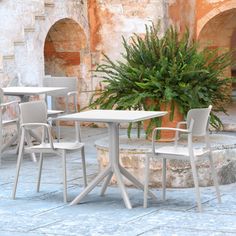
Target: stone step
(8, 57)
(49, 3)
(40, 17)
(29, 29)
(19, 43)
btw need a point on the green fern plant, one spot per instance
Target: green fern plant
(168, 69)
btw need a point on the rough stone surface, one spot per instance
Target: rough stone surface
(133, 153)
(68, 37)
(44, 213)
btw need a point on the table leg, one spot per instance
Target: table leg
(92, 185)
(138, 184)
(106, 183)
(114, 160)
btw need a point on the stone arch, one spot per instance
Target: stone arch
(214, 12)
(64, 43)
(66, 52)
(219, 32)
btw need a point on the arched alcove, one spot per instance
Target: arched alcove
(219, 32)
(63, 46)
(66, 53)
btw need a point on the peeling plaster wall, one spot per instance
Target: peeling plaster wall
(182, 14)
(111, 19)
(24, 26)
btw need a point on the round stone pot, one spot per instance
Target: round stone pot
(134, 151)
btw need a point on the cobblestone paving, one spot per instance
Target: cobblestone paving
(44, 213)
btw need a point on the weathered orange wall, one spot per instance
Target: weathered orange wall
(205, 6)
(187, 13)
(182, 14)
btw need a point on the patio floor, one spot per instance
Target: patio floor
(44, 213)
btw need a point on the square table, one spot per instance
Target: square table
(113, 118)
(25, 92)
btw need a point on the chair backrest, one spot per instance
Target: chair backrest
(69, 82)
(33, 112)
(201, 119)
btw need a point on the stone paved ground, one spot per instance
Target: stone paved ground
(44, 213)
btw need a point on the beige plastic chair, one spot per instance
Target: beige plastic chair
(196, 125)
(34, 115)
(70, 96)
(4, 123)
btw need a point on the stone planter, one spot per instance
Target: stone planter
(133, 152)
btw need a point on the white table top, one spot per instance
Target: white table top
(26, 91)
(118, 116)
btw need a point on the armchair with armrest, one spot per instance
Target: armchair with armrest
(196, 125)
(33, 115)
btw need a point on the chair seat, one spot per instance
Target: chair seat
(61, 146)
(180, 151)
(54, 112)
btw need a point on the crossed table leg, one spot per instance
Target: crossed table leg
(114, 168)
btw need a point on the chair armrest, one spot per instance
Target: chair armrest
(177, 132)
(46, 126)
(35, 125)
(165, 128)
(9, 103)
(174, 129)
(73, 94)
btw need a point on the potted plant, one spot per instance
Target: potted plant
(158, 72)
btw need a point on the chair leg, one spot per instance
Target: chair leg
(214, 175)
(146, 181)
(164, 179)
(40, 171)
(196, 184)
(19, 160)
(29, 143)
(64, 175)
(0, 152)
(84, 167)
(58, 131)
(1, 139)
